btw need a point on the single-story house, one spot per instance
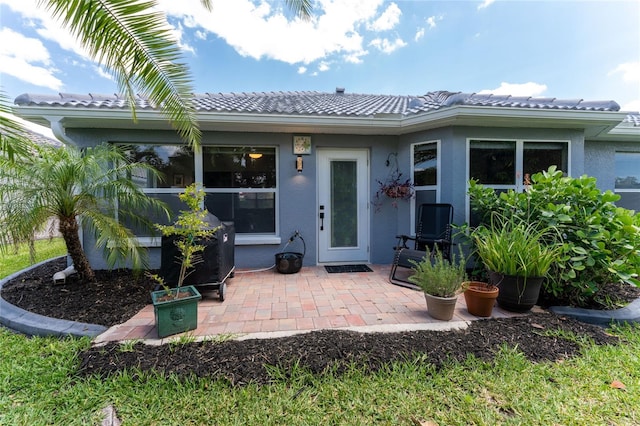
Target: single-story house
(279, 162)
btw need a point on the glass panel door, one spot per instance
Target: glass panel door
(343, 206)
(344, 203)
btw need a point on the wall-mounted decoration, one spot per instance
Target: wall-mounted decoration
(301, 145)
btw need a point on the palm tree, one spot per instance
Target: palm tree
(12, 136)
(131, 38)
(89, 189)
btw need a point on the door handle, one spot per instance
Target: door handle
(322, 221)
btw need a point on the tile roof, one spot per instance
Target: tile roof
(633, 119)
(36, 137)
(322, 103)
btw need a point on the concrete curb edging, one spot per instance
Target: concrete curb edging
(33, 324)
(628, 314)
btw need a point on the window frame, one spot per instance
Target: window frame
(622, 191)
(248, 238)
(436, 187)
(519, 164)
(198, 170)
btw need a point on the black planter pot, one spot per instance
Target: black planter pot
(517, 294)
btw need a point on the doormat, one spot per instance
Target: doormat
(337, 269)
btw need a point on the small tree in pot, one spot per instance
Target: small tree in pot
(176, 309)
(441, 281)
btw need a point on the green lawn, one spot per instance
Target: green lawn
(12, 261)
(38, 386)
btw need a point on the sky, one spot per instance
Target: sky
(566, 49)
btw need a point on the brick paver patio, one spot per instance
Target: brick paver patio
(266, 301)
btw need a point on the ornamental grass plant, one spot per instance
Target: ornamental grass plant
(511, 246)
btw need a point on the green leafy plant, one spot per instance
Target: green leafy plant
(191, 229)
(600, 242)
(437, 276)
(511, 246)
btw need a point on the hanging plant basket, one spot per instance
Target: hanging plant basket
(394, 187)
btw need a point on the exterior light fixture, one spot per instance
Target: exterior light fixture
(299, 164)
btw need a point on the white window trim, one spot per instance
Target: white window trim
(249, 239)
(436, 187)
(519, 162)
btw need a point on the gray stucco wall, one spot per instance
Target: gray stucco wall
(297, 197)
(600, 160)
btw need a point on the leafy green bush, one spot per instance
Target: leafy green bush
(599, 243)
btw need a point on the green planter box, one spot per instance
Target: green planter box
(175, 316)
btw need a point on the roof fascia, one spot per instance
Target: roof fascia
(597, 124)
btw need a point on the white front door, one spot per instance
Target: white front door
(343, 205)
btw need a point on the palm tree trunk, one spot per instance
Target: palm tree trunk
(69, 230)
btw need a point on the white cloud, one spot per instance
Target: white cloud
(386, 46)
(27, 59)
(338, 28)
(324, 66)
(630, 71)
(632, 106)
(48, 28)
(517, 89)
(388, 20)
(102, 73)
(302, 70)
(431, 21)
(485, 4)
(177, 33)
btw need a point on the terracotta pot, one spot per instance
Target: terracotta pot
(441, 307)
(517, 294)
(480, 298)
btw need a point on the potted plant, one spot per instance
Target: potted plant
(480, 297)
(441, 281)
(176, 309)
(395, 188)
(517, 257)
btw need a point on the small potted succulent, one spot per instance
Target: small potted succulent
(441, 281)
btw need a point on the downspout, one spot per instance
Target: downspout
(58, 130)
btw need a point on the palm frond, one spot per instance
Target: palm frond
(136, 43)
(13, 142)
(301, 8)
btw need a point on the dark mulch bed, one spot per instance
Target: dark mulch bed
(117, 296)
(242, 362)
(113, 299)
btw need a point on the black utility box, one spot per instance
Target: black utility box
(218, 257)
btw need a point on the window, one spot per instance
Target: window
(507, 164)
(425, 173)
(241, 186)
(627, 183)
(176, 165)
(175, 162)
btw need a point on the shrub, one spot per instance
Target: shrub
(599, 243)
